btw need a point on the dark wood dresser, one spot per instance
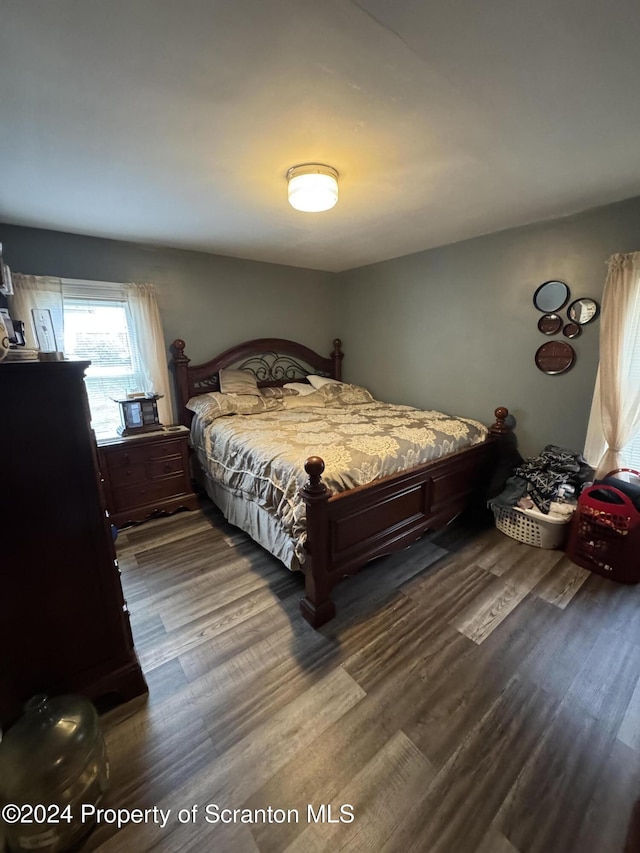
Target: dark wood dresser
(64, 624)
(146, 475)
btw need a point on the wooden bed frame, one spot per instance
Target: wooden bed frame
(349, 529)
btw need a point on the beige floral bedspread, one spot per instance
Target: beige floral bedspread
(261, 456)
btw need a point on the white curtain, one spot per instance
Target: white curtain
(145, 315)
(615, 411)
(37, 291)
(48, 292)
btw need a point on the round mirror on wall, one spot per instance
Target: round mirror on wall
(582, 311)
(551, 296)
(550, 324)
(555, 357)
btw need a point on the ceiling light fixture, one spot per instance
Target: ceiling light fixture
(312, 187)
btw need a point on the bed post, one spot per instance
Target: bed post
(500, 427)
(336, 357)
(317, 607)
(179, 366)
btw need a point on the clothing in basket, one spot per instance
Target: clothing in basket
(542, 478)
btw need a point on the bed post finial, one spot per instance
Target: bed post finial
(177, 350)
(314, 488)
(500, 427)
(179, 365)
(336, 357)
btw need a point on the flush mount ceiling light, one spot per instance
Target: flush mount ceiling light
(312, 187)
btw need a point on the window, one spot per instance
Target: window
(100, 330)
(117, 327)
(631, 453)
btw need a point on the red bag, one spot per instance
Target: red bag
(605, 534)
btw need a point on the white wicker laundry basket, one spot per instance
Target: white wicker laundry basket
(532, 526)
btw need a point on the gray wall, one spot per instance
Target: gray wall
(211, 301)
(454, 328)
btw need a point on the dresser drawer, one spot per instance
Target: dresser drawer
(139, 494)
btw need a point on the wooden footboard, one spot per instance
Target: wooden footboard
(347, 530)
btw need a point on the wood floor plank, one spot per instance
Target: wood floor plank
(281, 618)
(222, 619)
(160, 531)
(531, 568)
(459, 806)
(543, 810)
(495, 842)
(617, 792)
(606, 681)
(380, 581)
(378, 796)
(561, 584)
(416, 638)
(460, 688)
(629, 730)
(330, 763)
(499, 553)
(488, 611)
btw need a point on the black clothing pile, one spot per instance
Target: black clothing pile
(543, 477)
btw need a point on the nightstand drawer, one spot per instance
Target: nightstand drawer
(161, 450)
(129, 497)
(143, 452)
(165, 466)
(141, 472)
(121, 458)
(125, 476)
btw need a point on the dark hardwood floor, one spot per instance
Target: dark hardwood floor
(473, 695)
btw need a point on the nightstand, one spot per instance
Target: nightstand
(147, 474)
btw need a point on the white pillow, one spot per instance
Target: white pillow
(318, 381)
(301, 387)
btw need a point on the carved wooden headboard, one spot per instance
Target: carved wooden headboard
(273, 361)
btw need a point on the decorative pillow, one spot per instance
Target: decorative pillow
(216, 405)
(318, 381)
(278, 393)
(300, 387)
(303, 400)
(238, 382)
(344, 394)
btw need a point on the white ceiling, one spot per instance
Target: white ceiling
(174, 121)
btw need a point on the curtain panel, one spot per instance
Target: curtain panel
(145, 315)
(615, 410)
(37, 291)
